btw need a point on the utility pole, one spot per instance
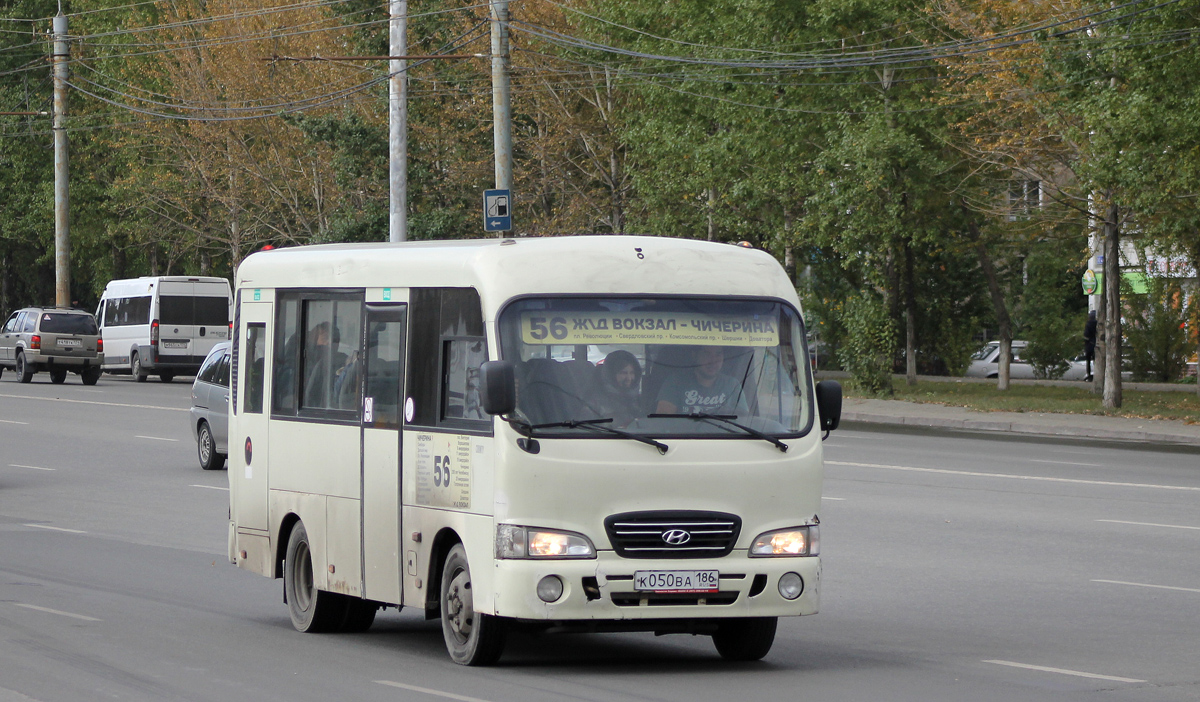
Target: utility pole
(501, 113)
(62, 225)
(398, 122)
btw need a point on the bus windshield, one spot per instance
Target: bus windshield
(664, 367)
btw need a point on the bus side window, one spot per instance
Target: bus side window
(287, 340)
(255, 370)
(446, 347)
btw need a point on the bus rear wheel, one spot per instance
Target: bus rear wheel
(311, 610)
(471, 638)
(745, 639)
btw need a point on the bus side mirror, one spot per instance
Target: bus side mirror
(829, 404)
(499, 380)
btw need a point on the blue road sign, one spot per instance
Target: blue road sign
(497, 215)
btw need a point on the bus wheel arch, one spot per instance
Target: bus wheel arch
(445, 540)
(285, 533)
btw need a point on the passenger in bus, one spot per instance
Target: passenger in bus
(702, 387)
(318, 360)
(619, 388)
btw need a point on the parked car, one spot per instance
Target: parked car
(210, 408)
(51, 339)
(985, 363)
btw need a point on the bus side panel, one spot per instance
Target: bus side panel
(477, 534)
(429, 499)
(343, 550)
(311, 509)
(315, 457)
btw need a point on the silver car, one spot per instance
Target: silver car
(985, 363)
(210, 408)
(51, 339)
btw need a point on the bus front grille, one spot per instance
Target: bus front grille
(674, 534)
(658, 599)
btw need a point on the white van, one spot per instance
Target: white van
(163, 324)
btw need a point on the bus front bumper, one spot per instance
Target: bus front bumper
(603, 589)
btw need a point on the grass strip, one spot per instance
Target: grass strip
(1183, 405)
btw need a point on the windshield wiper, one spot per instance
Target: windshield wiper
(727, 419)
(598, 425)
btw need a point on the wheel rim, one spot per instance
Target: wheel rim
(460, 611)
(205, 445)
(303, 577)
(21, 364)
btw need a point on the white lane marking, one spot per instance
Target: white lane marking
(1169, 526)
(18, 465)
(427, 691)
(835, 499)
(1013, 477)
(210, 487)
(9, 421)
(1066, 463)
(58, 612)
(94, 402)
(1064, 671)
(51, 528)
(154, 438)
(1156, 587)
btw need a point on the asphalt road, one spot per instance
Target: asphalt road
(956, 568)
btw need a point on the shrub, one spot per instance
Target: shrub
(870, 342)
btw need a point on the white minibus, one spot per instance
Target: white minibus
(605, 433)
(164, 325)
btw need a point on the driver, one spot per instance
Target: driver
(703, 387)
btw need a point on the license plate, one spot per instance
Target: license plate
(175, 344)
(676, 581)
(70, 343)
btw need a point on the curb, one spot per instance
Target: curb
(987, 426)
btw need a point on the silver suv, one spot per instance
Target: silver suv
(54, 340)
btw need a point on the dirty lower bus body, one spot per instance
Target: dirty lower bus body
(571, 434)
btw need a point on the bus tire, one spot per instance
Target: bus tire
(206, 449)
(135, 368)
(166, 377)
(471, 638)
(745, 639)
(311, 610)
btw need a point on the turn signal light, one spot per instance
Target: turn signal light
(154, 333)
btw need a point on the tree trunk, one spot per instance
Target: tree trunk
(910, 318)
(998, 305)
(1112, 295)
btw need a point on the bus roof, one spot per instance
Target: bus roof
(501, 269)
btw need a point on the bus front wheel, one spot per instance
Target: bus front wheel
(312, 610)
(471, 638)
(745, 639)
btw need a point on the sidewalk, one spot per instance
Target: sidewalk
(1079, 426)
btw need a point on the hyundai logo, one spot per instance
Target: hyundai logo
(676, 537)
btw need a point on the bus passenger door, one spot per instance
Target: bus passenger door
(383, 354)
(247, 440)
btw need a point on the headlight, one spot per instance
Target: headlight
(797, 541)
(528, 542)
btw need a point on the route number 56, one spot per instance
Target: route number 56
(557, 329)
(441, 471)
